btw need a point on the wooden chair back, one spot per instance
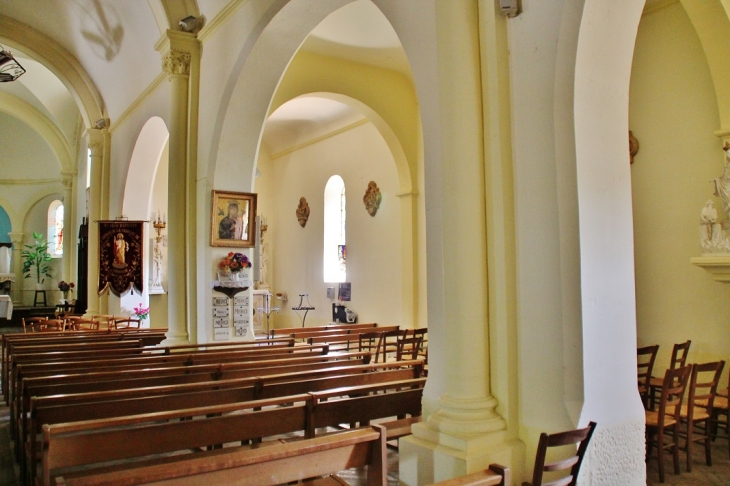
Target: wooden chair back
(703, 385)
(408, 348)
(29, 323)
(679, 355)
(371, 342)
(49, 325)
(581, 437)
(645, 365)
(104, 319)
(125, 323)
(78, 323)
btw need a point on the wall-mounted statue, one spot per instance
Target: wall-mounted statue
(712, 237)
(722, 187)
(303, 212)
(372, 198)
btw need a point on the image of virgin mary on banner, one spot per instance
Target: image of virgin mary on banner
(120, 257)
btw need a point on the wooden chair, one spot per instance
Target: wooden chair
(679, 359)
(421, 332)
(103, 319)
(30, 323)
(371, 342)
(667, 417)
(125, 323)
(496, 475)
(698, 410)
(48, 325)
(408, 348)
(645, 364)
(571, 437)
(390, 343)
(720, 418)
(78, 323)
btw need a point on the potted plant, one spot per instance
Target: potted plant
(37, 256)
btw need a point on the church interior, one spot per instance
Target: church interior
(449, 165)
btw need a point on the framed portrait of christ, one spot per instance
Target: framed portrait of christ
(233, 219)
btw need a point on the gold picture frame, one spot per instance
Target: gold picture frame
(233, 219)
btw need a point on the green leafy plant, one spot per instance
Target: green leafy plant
(37, 256)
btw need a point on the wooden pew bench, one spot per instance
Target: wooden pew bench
(280, 370)
(100, 441)
(58, 409)
(80, 384)
(279, 463)
(285, 331)
(201, 357)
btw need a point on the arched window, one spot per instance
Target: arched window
(335, 217)
(55, 229)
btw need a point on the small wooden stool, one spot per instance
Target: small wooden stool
(35, 298)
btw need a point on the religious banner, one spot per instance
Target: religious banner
(120, 256)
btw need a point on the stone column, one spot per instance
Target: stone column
(68, 203)
(16, 238)
(462, 432)
(95, 142)
(177, 63)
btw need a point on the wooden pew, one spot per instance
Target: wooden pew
(213, 355)
(78, 383)
(57, 409)
(285, 331)
(279, 463)
(17, 382)
(495, 475)
(10, 341)
(144, 435)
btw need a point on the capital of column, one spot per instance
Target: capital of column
(67, 179)
(16, 238)
(176, 62)
(95, 141)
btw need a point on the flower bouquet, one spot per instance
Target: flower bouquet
(65, 287)
(234, 262)
(142, 312)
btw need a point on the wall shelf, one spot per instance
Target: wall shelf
(717, 265)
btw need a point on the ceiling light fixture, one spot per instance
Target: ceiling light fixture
(10, 70)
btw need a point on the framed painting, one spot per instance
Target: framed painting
(233, 219)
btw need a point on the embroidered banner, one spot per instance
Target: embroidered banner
(120, 256)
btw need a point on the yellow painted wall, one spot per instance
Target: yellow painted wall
(373, 243)
(673, 113)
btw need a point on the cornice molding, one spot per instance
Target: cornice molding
(28, 182)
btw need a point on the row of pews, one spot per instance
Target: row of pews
(117, 408)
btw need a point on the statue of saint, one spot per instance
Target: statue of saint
(722, 184)
(157, 266)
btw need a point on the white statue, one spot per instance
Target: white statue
(722, 185)
(712, 236)
(157, 267)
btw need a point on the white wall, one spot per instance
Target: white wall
(373, 243)
(673, 113)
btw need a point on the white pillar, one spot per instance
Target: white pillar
(183, 50)
(462, 432)
(16, 239)
(95, 143)
(68, 202)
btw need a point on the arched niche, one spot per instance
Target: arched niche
(145, 193)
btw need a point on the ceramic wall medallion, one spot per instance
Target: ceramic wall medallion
(372, 198)
(633, 146)
(303, 212)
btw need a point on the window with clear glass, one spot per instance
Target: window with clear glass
(335, 229)
(55, 229)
